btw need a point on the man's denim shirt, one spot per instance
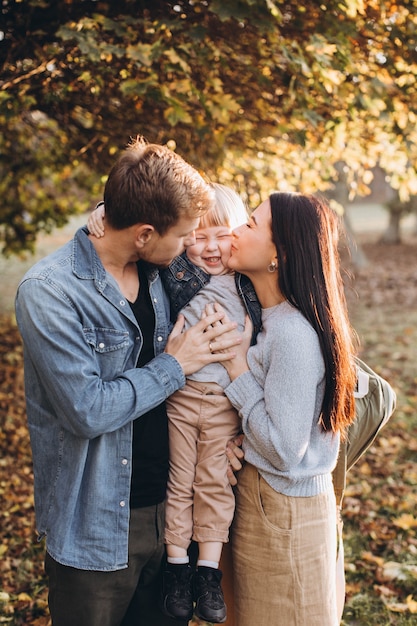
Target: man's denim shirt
(182, 280)
(83, 390)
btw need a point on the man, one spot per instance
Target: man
(99, 365)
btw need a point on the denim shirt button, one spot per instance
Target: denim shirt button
(122, 303)
(124, 461)
(101, 345)
(155, 300)
(179, 275)
(159, 338)
(122, 503)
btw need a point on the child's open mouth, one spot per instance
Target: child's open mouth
(212, 260)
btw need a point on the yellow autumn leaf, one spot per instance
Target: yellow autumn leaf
(397, 607)
(406, 521)
(372, 558)
(412, 604)
(24, 597)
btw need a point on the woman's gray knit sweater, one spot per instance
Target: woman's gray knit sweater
(279, 401)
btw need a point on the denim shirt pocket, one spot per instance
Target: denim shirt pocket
(112, 348)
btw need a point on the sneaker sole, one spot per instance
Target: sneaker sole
(186, 618)
(210, 620)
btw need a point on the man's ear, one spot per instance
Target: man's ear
(144, 233)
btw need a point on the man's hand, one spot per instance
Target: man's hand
(193, 348)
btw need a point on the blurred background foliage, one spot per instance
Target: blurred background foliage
(261, 94)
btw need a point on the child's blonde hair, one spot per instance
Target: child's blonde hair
(229, 209)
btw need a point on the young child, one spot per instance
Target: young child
(200, 500)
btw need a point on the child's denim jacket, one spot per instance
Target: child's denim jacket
(182, 280)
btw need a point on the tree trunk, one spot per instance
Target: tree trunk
(392, 234)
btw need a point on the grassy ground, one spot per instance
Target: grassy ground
(381, 497)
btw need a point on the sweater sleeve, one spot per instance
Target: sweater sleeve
(279, 399)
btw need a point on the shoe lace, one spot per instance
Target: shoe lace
(179, 584)
(209, 584)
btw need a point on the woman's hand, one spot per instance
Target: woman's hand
(238, 365)
(95, 223)
(235, 457)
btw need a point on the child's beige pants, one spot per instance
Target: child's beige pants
(200, 500)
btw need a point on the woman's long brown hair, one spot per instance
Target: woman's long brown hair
(305, 233)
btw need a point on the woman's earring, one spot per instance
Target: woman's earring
(272, 267)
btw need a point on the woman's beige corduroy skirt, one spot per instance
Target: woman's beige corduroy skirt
(284, 556)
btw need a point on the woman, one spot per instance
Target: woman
(294, 393)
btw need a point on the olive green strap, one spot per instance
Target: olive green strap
(339, 474)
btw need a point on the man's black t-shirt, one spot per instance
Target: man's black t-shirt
(150, 431)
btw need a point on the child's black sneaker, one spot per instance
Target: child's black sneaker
(176, 595)
(208, 595)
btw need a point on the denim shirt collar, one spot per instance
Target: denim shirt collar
(86, 263)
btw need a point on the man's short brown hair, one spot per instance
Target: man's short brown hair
(151, 184)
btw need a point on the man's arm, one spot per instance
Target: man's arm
(88, 381)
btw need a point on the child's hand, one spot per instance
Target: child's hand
(95, 223)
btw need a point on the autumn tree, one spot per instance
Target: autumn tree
(267, 94)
